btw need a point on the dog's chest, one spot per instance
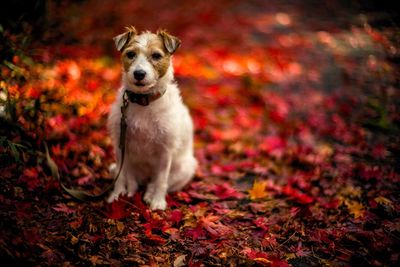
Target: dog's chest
(145, 134)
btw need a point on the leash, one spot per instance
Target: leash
(80, 194)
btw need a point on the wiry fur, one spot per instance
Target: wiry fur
(159, 137)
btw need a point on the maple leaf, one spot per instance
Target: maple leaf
(214, 227)
(195, 233)
(155, 238)
(117, 210)
(84, 180)
(384, 202)
(77, 223)
(143, 209)
(132, 237)
(61, 207)
(225, 191)
(261, 223)
(258, 190)
(297, 195)
(258, 256)
(33, 93)
(176, 216)
(331, 204)
(355, 208)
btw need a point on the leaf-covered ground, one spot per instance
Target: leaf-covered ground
(296, 110)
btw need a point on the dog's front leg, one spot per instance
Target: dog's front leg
(126, 183)
(157, 188)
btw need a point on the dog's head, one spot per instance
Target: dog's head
(146, 58)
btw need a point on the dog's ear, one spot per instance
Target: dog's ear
(171, 43)
(122, 39)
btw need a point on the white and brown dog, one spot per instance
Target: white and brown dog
(159, 135)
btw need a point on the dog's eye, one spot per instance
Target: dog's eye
(130, 54)
(156, 56)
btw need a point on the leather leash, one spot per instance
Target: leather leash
(80, 194)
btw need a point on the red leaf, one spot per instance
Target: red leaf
(332, 204)
(379, 151)
(214, 227)
(61, 207)
(75, 224)
(225, 191)
(30, 176)
(176, 216)
(85, 179)
(183, 196)
(33, 93)
(143, 208)
(261, 222)
(152, 237)
(258, 256)
(117, 210)
(132, 237)
(297, 195)
(273, 143)
(196, 233)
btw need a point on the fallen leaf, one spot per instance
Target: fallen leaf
(120, 226)
(384, 201)
(117, 210)
(225, 191)
(355, 208)
(214, 227)
(61, 207)
(180, 261)
(258, 190)
(30, 177)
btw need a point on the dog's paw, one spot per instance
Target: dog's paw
(158, 204)
(148, 197)
(115, 194)
(131, 187)
(131, 193)
(112, 169)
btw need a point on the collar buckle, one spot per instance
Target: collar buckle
(140, 99)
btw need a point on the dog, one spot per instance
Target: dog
(159, 136)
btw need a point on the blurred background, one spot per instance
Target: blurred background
(237, 38)
(234, 54)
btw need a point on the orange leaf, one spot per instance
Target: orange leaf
(384, 201)
(355, 208)
(258, 190)
(263, 260)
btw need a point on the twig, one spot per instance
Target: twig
(287, 240)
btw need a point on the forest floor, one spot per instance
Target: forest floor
(297, 128)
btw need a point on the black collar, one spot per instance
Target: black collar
(143, 99)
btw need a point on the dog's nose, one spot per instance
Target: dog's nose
(139, 74)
